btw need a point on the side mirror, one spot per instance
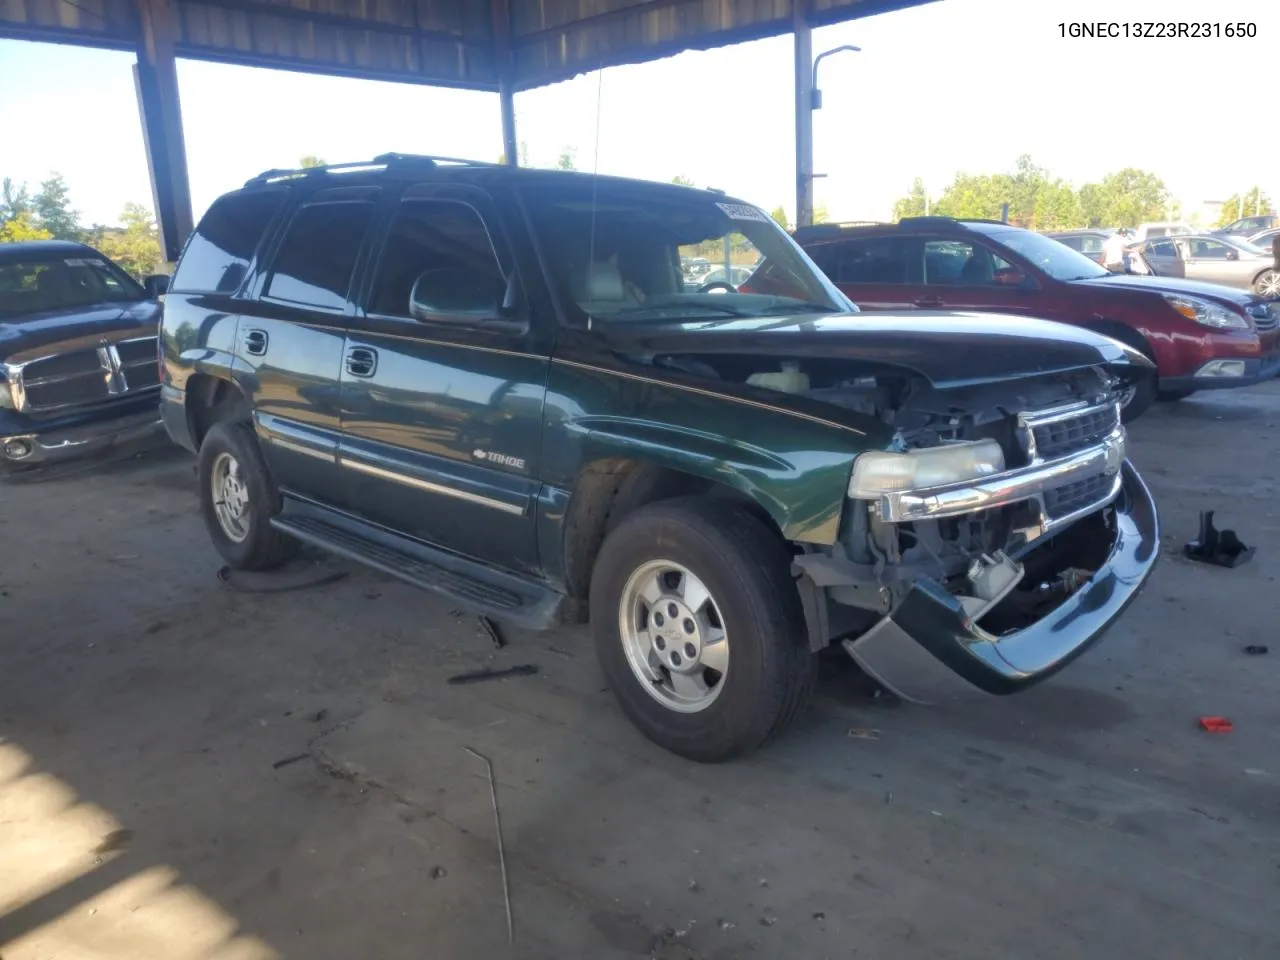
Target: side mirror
(1233, 253)
(156, 285)
(457, 295)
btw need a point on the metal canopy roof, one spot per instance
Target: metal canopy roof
(470, 44)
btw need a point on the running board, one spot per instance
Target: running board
(479, 588)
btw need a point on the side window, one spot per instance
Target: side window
(318, 255)
(1207, 249)
(875, 260)
(428, 236)
(1075, 243)
(826, 257)
(961, 263)
(218, 253)
(1162, 248)
(1091, 244)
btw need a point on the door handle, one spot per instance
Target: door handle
(255, 342)
(362, 361)
(928, 302)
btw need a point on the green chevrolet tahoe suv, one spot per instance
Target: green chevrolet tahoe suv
(497, 384)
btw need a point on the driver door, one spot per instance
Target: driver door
(962, 274)
(1209, 260)
(442, 422)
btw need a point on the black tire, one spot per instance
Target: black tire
(262, 546)
(1144, 395)
(746, 567)
(1173, 396)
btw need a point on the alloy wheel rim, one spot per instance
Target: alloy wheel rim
(230, 497)
(1269, 285)
(673, 636)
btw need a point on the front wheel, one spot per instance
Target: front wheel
(238, 499)
(699, 628)
(1137, 398)
(1268, 284)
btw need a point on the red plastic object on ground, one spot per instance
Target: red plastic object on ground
(1216, 724)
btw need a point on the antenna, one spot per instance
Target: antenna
(595, 184)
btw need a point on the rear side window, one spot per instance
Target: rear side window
(878, 260)
(318, 255)
(1075, 243)
(218, 253)
(1091, 244)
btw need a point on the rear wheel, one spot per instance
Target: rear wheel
(238, 499)
(699, 629)
(1267, 284)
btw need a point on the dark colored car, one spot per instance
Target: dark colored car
(1201, 336)
(77, 353)
(1248, 226)
(1230, 261)
(495, 384)
(1088, 242)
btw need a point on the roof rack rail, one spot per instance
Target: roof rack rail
(388, 161)
(835, 226)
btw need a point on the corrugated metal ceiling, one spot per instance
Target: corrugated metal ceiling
(460, 43)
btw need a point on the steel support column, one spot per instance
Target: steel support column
(506, 94)
(155, 78)
(804, 114)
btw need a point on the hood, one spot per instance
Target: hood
(1197, 288)
(28, 334)
(947, 349)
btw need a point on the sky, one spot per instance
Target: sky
(958, 85)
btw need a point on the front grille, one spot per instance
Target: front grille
(1061, 437)
(1266, 316)
(1075, 496)
(89, 376)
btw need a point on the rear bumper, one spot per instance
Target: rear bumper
(1253, 371)
(927, 648)
(55, 442)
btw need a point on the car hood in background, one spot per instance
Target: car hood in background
(1175, 285)
(25, 336)
(948, 349)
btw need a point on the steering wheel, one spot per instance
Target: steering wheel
(717, 285)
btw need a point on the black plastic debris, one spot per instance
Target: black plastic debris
(476, 676)
(1256, 649)
(1219, 547)
(492, 630)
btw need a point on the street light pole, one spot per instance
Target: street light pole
(808, 99)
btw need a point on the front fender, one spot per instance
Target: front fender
(796, 467)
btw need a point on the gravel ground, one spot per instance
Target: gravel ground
(192, 772)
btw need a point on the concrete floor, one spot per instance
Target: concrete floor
(144, 709)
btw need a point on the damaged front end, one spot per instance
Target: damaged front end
(997, 538)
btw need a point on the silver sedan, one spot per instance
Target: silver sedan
(1226, 260)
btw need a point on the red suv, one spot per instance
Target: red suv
(1201, 336)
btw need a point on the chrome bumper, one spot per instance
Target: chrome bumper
(66, 443)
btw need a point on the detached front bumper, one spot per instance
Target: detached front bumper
(927, 646)
(36, 443)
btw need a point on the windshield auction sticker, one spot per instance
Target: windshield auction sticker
(741, 211)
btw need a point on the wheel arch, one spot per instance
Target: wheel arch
(210, 399)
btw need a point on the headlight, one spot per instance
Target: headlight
(876, 473)
(1206, 312)
(6, 392)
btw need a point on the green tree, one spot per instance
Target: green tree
(566, 159)
(522, 155)
(52, 206)
(682, 181)
(1250, 203)
(780, 217)
(820, 214)
(22, 227)
(311, 160)
(136, 244)
(1124, 199)
(914, 204)
(15, 200)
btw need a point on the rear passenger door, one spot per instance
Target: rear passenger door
(876, 273)
(1164, 258)
(290, 341)
(442, 421)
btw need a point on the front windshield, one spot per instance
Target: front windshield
(1057, 260)
(60, 283)
(637, 252)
